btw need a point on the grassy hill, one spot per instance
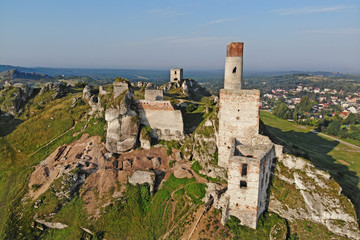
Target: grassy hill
(139, 214)
(340, 160)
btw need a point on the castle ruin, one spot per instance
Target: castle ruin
(161, 116)
(176, 75)
(245, 153)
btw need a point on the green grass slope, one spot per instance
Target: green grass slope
(340, 160)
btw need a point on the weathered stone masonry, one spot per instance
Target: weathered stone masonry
(161, 116)
(176, 74)
(245, 154)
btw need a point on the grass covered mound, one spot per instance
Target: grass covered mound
(59, 122)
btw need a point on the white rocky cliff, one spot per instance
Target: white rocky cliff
(123, 122)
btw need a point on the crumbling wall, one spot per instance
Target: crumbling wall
(161, 116)
(154, 95)
(264, 179)
(239, 118)
(248, 180)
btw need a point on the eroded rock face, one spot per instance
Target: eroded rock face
(315, 197)
(203, 148)
(93, 100)
(190, 87)
(59, 88)
(123, 125)
(14, 97)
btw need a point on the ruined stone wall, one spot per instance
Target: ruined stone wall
(154, 95)
(155, 105)
(176, 74)
(248, 181)
(244, 199)
(166, 122)
(264, 178)
(238, 118)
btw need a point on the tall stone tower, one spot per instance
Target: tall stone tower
(176, 74)
(238, 109)
(245, 154)
(234, 65)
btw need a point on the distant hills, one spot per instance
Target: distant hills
(15, 73)
(104, 76)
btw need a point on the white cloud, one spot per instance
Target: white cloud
(336, 31)
(310, 10)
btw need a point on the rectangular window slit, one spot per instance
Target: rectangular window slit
(244, 169)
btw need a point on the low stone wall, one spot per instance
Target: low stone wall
(155, 105)
(166, 122)
(154, 95)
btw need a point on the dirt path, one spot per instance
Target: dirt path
(173, 206)
(199, 214)
(54, 139)
(336, 139)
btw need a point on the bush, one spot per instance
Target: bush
(35, 187)
(190, 108)
(81, 84)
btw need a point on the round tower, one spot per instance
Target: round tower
(234, 65)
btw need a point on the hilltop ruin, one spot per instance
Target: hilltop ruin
(246, 154)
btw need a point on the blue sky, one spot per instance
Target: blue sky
(161, 34)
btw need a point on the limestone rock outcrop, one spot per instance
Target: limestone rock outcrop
(13, 97)
(93, 100)
(202, 147)
(189, 87)
(59, 89)
(314, 196)
(141, 177)
(123, 123)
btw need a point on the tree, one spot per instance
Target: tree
(304, 105)
(282, 111)
(351, 119)
(334, 127)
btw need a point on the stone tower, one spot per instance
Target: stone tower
(234, 65)
(245, 154)
(238, 109)
(176, 74)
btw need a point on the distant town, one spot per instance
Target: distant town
(331, 110)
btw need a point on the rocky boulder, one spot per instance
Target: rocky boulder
(141, 177)
(93, 100)
(59, 89)
(13, 97)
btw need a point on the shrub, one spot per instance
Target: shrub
(190, 108)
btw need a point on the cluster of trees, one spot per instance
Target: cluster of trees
(335, 126)
(282, 111)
